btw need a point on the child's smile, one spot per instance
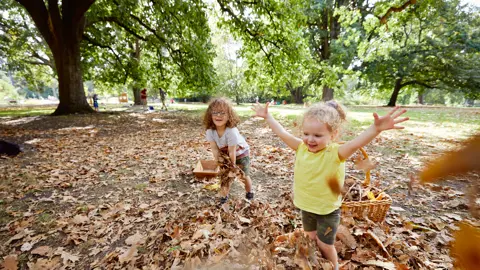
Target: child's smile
(316, 135)
(219, 118)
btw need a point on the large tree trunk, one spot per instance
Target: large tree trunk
(237, 99)
(135, 54)
(70, 82)
(396, 91)
(62, 28)
(136, 95)
(420, 97)
(327, 94)
(296, 93)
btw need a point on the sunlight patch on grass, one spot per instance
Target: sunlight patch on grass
(9, 112)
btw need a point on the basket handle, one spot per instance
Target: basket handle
(366, 182)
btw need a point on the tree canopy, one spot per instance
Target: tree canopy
(315, 49)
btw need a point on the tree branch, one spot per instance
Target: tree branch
(150, 29)
(246, 30)
(416, 82)
(39, 13)
(98, 44)
(383, 19)
(76, 9)
(119, 23)
(38, 63)
(44, 61)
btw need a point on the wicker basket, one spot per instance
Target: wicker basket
(375, 210)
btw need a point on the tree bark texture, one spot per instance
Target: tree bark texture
(327, 94)
(396, 91)
(63, 30)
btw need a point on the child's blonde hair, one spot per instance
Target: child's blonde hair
(330, 113)
(222, 104)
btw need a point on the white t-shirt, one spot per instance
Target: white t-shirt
(230, 137)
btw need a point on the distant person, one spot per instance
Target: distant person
(162, 98)
(256, 99)
(95, 102)
(143, 97)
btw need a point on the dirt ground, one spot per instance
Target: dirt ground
(116, 190)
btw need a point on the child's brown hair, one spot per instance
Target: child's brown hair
(220, 104)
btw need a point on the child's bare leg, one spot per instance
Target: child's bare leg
(247, 181)
(328, 251)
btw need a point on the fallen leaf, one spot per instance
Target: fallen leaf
(215, 186)
(244, 220)
(79, 219)
(453, 216)
(384, 265)
(379, 242)
(18, 236)
(41, 250)
(136, 239)
(346, 237)
(176, 232)
(45, 264)
(68, 257)
(128, 254)
(10, 262)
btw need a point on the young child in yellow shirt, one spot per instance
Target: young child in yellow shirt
(318, 159)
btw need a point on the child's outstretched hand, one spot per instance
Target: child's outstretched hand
(261, 111)
(390, 120)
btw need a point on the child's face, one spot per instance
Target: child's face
(219, 117)
(316, 135)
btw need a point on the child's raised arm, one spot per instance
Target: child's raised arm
(380, 124)
(292, 141)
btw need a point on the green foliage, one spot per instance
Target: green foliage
(273, 42)
(433, 44)
(165, 44)
(295, 48)
(7, 90)
(25, 53)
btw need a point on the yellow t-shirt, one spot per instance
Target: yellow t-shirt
(311, 173)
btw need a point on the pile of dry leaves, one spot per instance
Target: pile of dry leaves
(117, 191)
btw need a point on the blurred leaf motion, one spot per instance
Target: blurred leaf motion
(334, 185)
(464, 160)
(466, 247)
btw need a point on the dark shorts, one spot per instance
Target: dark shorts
(325, 225)
(244, 164)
